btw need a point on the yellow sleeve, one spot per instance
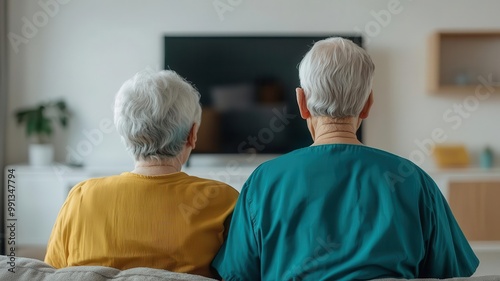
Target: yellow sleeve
(227, 224)
(233, 198)
(57, 250)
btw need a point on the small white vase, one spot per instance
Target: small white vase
(41, 154)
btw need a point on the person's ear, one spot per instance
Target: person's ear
(368, 105)
(193, 136)
(302, 103)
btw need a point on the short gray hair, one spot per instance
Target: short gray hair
(336, 76)
(154, 112)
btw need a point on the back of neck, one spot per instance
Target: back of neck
(331, 131)
(156, 168)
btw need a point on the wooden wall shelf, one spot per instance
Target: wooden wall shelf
(458, 58)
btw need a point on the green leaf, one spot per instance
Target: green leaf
(39, 125)
(61, 105)
(64, 121)
(39, 120)
(46, 127)
(31, 123)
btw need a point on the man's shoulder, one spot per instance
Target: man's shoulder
(329, 158)
(340, 152)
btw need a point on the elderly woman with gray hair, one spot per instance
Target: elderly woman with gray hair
(151, 216)
(340, 210)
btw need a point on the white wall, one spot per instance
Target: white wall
(89, 47)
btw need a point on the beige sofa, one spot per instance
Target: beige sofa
(36, 270)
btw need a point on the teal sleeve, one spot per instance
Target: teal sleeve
(239, 256)
(448, 252)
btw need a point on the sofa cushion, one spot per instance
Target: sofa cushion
(36, 270)
(31, 269)
(478, 278)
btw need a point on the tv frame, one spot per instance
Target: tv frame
(313, 36)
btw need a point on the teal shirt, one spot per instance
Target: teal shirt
(342, 212)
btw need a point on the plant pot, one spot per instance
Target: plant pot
(41, 154)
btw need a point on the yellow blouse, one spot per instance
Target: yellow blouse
(174, 222)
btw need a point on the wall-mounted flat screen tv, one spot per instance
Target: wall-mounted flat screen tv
(247, 86)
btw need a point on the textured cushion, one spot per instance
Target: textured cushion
(31, 269)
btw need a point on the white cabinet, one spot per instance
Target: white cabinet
(41, 191)
(234, 177)
(39, 194)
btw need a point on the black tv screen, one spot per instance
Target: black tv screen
(247, 86)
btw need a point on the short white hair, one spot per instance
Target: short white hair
(336, 76)
(154, 112)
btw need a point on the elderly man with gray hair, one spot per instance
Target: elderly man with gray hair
(151, 216)
(340, 210)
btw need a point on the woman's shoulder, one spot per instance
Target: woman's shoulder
(92, 183)
(210, 185)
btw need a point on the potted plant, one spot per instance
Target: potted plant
(39, 122)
